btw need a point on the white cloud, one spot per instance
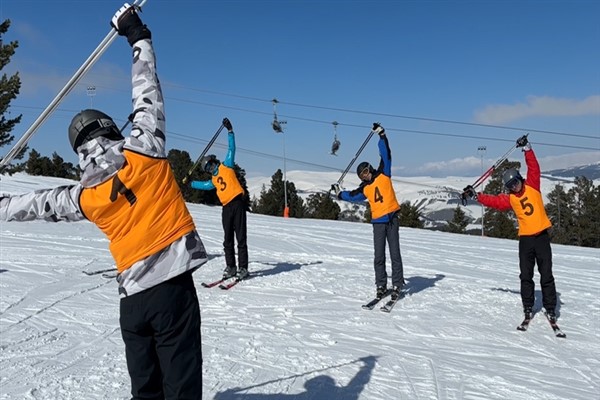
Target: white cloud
(569, 160)
(471, 166)
(538, 106)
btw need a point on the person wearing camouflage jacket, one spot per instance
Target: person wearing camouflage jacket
(128, 190)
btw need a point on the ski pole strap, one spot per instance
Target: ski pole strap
(199, 159)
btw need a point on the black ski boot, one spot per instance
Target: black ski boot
(229, 272)
(528, 311)
(242, 274)
(381, 291)
(396, 292)
(551, 315)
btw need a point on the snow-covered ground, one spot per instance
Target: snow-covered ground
(296, 330)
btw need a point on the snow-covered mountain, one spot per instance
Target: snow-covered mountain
(591, 171)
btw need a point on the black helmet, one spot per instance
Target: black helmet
(362, 167)
(510, 177)
(90, 124)
(208, 163)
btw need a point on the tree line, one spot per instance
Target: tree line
(575, 213)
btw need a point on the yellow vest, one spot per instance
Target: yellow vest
(140, 210)
(227, 184)
(381, 196)
(530, 212)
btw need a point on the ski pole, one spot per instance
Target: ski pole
(210, 143)
(339, 181)
(85, 67)
(489, 172)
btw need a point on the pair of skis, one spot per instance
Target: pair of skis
(223, 283)
(557, 331)
(387, 307)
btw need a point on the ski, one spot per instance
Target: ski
(213, 284)
(229, 285)
(387, 307)
(524, 325)
(99, 271)
(556, 329)
(371, 304)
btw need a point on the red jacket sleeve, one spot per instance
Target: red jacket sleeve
(500, 202)
(533, 170)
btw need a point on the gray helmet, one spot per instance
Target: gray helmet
(362, 167)
(208, 163)
(510, 177)
(90, 124)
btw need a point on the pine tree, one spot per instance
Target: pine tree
(459, 221)
(9, 89)
(38, 165)
(272, 201)
(410, 216)
(351, 214)
(561, 215)
(584, 204)
(322, 206)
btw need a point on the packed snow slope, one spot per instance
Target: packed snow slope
(295, 330)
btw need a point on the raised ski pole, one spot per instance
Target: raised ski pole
(85, 67)
(208, 146)
(489, 172)
(339, 181)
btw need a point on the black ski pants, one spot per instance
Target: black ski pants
(388, 232)
(234, 227)
(161, 330)
(534, 249)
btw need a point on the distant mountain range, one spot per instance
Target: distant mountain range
(436, 197)
(591, 172)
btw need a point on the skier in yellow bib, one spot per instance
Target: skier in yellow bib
(525, 199)
(231, 194)
(128, 190)
(377, 188)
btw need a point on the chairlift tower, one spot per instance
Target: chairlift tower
(91, 92)
(278, 128)
(481, 150)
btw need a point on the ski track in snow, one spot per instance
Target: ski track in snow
(295, 330)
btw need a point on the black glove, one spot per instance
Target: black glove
(522, 141)
(227, 125)
(378, 129)
(128, 23)
(470, 192)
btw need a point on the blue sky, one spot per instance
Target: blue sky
(443, 77)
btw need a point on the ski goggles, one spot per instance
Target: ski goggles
(364, 173)
(512, 184)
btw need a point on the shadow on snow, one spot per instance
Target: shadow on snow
(319, 387)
